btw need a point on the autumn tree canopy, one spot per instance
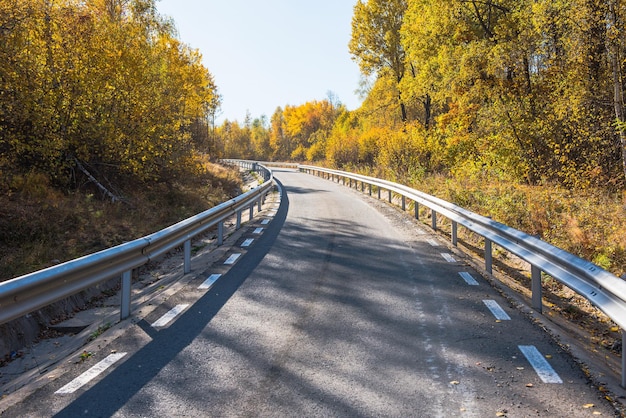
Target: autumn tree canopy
(101, 87)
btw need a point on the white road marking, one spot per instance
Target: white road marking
(247, 242)
(468, 278)
(258, 231)
(433, 243)
(232, 258)
(210, 281)
(265, 221)
(496, 310)
(165, 319)
(90, 374)
(448, 257)
(540, 364)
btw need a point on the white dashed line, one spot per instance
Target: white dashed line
(448, 257)
(258, 231)
(468, 278)
(540, 364)
(210, 281)
(231, 260)
(165, 319)
(90, 374)
(265, 221)
(496, 310)
(247, 242)
(433, 243)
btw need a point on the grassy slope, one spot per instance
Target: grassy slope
(40, 226)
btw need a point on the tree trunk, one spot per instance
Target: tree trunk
(618, 91)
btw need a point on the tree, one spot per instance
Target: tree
(376, 42)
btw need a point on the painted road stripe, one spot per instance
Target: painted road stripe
(247, 242)
(258, 231)
(265, 221)
(540, 364)
(232, 258)
(90, 374)
(468, 278)
(210, 281)
(448, 257)
(496, 310)
(165, 319)
(433, 243)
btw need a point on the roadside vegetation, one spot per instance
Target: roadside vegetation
(512, 109)
(105, 123)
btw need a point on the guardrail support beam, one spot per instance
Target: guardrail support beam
(390, 196)
(238, 224)
(488, 257)
(417, 210)
(125, 295)
(623, 360)
(187, 262)
(403, 203)
(220, 232)
(453, 233)
(433, 216)
(535, 286)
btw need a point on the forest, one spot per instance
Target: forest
(511, 108)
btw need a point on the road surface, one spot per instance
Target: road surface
(333, 308)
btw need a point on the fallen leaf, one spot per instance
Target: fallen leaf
(588, 405)
(548, 356)
(520, 368)
(529, 385)
(454, 382)
(614, 329)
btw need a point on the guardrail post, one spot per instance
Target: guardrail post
(251, 211)
(378, 187)
(488, 256)
(433, 216)
(390, 197)
(350, 183)
(238, 225)
(260, 205)
(125, 295)
(417, 210)
(454, 233)
(370, 188)
(403, 203)
(535, 287)
(220, 232)
(187, 262)
(623, 360)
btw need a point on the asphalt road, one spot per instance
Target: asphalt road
(337, 309)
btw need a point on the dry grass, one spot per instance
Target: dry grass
(588, 223)
(40, 226)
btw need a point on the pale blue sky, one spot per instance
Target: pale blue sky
(265, 54)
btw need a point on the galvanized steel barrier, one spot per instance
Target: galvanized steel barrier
(25, 294)
(604, 290)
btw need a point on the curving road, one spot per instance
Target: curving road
(336, 309)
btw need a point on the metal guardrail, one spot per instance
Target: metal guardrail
(25, 294)
(602, 289)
